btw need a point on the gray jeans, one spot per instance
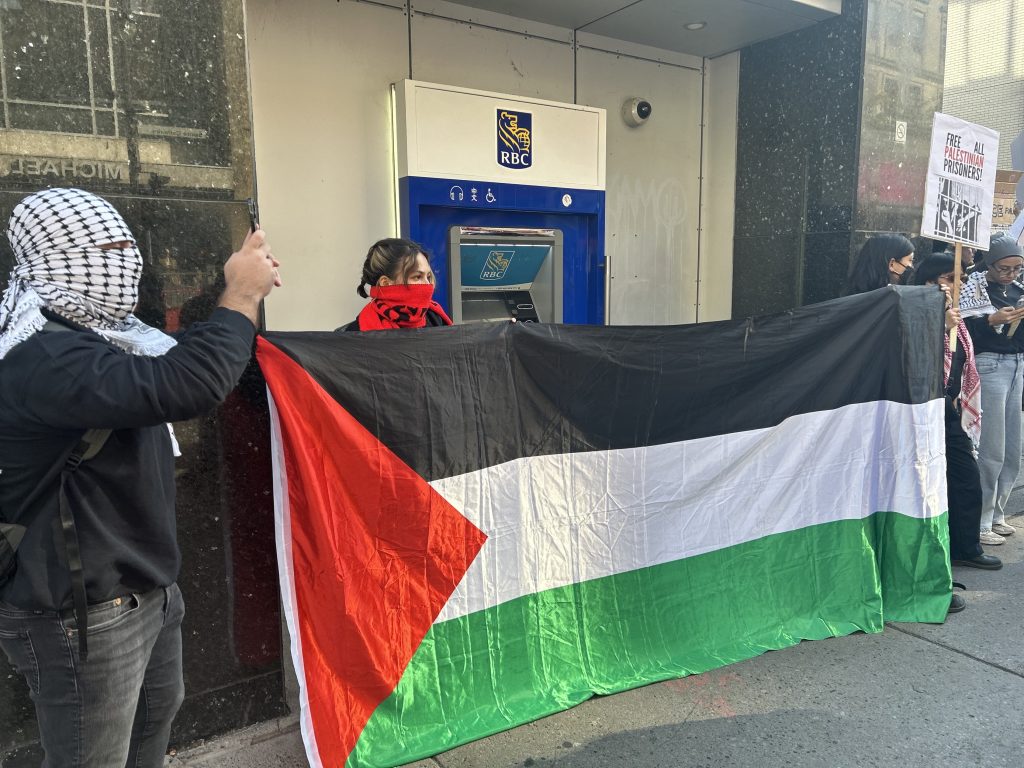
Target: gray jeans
(1002, 384)
(116, 708)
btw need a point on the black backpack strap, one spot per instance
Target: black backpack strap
(90, 444)
(84, 449)
(12, 532)
(10, 537)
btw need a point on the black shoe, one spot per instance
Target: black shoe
(956, 604)
(987, 562)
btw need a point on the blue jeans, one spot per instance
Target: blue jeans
(116, 708)
(1002, 384)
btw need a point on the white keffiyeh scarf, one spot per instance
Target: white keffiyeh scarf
(56, 236)
(974, 299)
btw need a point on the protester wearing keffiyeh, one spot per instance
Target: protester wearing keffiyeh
(962, 417)
(61, 265)
(98, 546)
(990, 304)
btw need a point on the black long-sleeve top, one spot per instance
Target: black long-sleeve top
(987, 338)
(53, 387)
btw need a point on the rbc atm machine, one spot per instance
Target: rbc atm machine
(506, 194)
(504, 273)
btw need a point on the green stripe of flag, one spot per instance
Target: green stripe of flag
(539, 654)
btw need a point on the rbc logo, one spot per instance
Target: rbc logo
(496, 265)
(515, 139)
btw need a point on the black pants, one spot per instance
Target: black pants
(964, 488)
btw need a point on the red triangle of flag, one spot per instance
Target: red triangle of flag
(376, 554)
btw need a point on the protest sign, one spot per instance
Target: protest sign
(961, 182)
(960, 189)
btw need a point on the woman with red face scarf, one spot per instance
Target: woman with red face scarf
(401, 289)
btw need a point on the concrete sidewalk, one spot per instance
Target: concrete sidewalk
(917, 696)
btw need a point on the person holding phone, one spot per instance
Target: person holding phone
(992, 307)
(90, 612)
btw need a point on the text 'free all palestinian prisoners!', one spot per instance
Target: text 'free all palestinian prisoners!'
(961, 162)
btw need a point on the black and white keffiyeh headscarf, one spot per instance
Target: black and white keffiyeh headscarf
(56, 236)
(974, 298)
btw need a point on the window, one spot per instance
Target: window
(111, 67)
(891, 95)
(917, 30)
(915, 97)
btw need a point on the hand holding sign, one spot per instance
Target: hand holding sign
(961, 182)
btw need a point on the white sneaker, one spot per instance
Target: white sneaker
(990, 539)
(1003, 529)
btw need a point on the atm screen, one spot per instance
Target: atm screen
(508, 266)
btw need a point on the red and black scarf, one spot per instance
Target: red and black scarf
(400, 306)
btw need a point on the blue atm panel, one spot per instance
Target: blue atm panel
(431, 208)
(501, 265)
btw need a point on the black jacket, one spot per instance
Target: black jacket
(987, 338)
(56, 385)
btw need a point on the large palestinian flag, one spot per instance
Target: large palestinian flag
(481, 525)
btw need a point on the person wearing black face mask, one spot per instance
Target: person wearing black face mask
(885, 259)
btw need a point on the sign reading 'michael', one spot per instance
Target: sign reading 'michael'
(515, 139)
(63, 168)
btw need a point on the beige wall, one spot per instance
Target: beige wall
(653, 187)
(320, 74)
(470, 56)
(718, 204)
(321, 127)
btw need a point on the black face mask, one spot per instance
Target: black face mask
(907, 277)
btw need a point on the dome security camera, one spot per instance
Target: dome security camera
(636, 111)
